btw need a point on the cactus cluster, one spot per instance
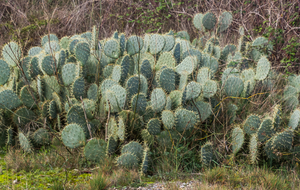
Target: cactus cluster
(151, 89)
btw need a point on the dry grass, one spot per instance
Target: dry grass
(27, 21)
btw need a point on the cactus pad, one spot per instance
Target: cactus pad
(95, 150)
(153, 126)
(251, 124)
(73, 136)
(158, 99)
(237, 139)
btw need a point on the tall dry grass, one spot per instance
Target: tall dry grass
(28, 20)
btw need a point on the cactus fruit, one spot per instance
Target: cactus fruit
(73, 136)
(238, 138)
(95, 150)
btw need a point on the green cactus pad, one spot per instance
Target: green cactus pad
(202, 108)
(133, 148)
(52, 110)
(116, 73)
(34, 51)
(203, 75)
(183, 80)
(112, 48)
(82, 52)
(158, 99)
(185, 119)
(225, 20)
(157, 43)
(34, 67)
(73, 136)
(276, 115)
(265, 130)
(106, 85)
(120, 93)
(92, 92)
(51, 47)
(49, 65)
(193, 52)
(294, 119)
(230, 48)
(146, 69)
(263, 68)
(289, 91)
(207, 154)
(41, 137)
(167, 79)
(48, 38)
(78, 88)
(168, 119)
(165, 59)
(210, 62)
(209, 88)
(146, 43)
(283, 141)
(69, 73)
(197, 21)
(22, 116)
(187, 65)
(25, 142)
(28, 97)
(176, 98)
(11, 53)
(9, 100)
(291, 102)
(134, 45)
(295, 82)
(10, 141)
(153, 126)
(112, 145)
(112, 102)
(192, 90)
(64, 42)
(145, 161)
(4, 72)
(238, 138)
(121, 129)
(251, 124)
(168, 103)
(76, 115)
(139, 103)
(176, 52)
(231, 112)
(95, 150)
(234, 86)
(253, 149)
(128, 161)
(170, 42)
(269, 151)
(209, 20)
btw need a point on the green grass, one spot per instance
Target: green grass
(242, 176)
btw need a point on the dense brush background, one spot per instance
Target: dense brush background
(27, 20)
